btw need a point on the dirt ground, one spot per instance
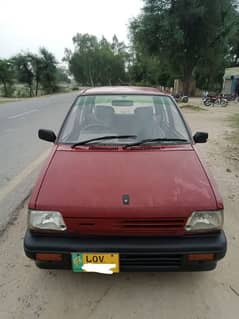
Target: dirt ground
(28, 292)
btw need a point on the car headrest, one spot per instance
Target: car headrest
(144, 113)
(103, 112)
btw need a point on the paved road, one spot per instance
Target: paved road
(21, 152)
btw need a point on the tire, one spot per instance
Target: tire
(224, 102)
(207, 102)
(185, 99)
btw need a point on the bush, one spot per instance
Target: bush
(22, 92)
(9, 93)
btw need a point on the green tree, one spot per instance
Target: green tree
(62, 75)
(185, 35)
(6, 76)
(83, 61)
(25, 70)
(232, 58)
(37, 70)
(147, 70)
(97, 62)
(48, 71)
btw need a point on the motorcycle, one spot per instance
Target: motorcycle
(215, 100)
(181, 98)
(230, 97)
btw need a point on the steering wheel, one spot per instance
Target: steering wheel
(95, 125)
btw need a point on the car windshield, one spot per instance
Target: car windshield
(143, 116)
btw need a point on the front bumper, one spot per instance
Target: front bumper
(136, 253)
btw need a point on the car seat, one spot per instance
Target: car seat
(145, 122)
(104, 114)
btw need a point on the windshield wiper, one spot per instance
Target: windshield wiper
(103, 138)
(152, 140)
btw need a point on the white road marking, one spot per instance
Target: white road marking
(22, 114)
(4, 191)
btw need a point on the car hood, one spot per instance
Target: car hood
(166, 182)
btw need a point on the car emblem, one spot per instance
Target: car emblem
(125, 199)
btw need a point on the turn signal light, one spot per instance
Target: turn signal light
(201, 257)
(49, 257)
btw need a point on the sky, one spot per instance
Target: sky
(26, 25)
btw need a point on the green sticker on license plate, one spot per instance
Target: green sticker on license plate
(106, 263)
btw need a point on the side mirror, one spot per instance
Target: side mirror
(200, 137)
(47, 135)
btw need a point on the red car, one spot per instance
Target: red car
(125, 190)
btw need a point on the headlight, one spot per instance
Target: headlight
(204, 221)
(46, 220)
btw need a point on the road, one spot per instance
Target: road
(21, 152)
(27, 292)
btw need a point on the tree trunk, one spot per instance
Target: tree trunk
(37, 87)
(30, 90)
(5, 88)
(90, 77)
(187, 81)
(186, 86)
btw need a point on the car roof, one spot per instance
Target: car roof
(122, 90)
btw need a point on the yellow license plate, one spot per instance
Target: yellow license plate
(105, 263)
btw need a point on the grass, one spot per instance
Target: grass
(7, 100)
(192, 107)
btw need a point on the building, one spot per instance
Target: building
(230, 80)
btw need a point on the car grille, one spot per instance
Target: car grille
(159, 225)
(101, 226)
(149, 261)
